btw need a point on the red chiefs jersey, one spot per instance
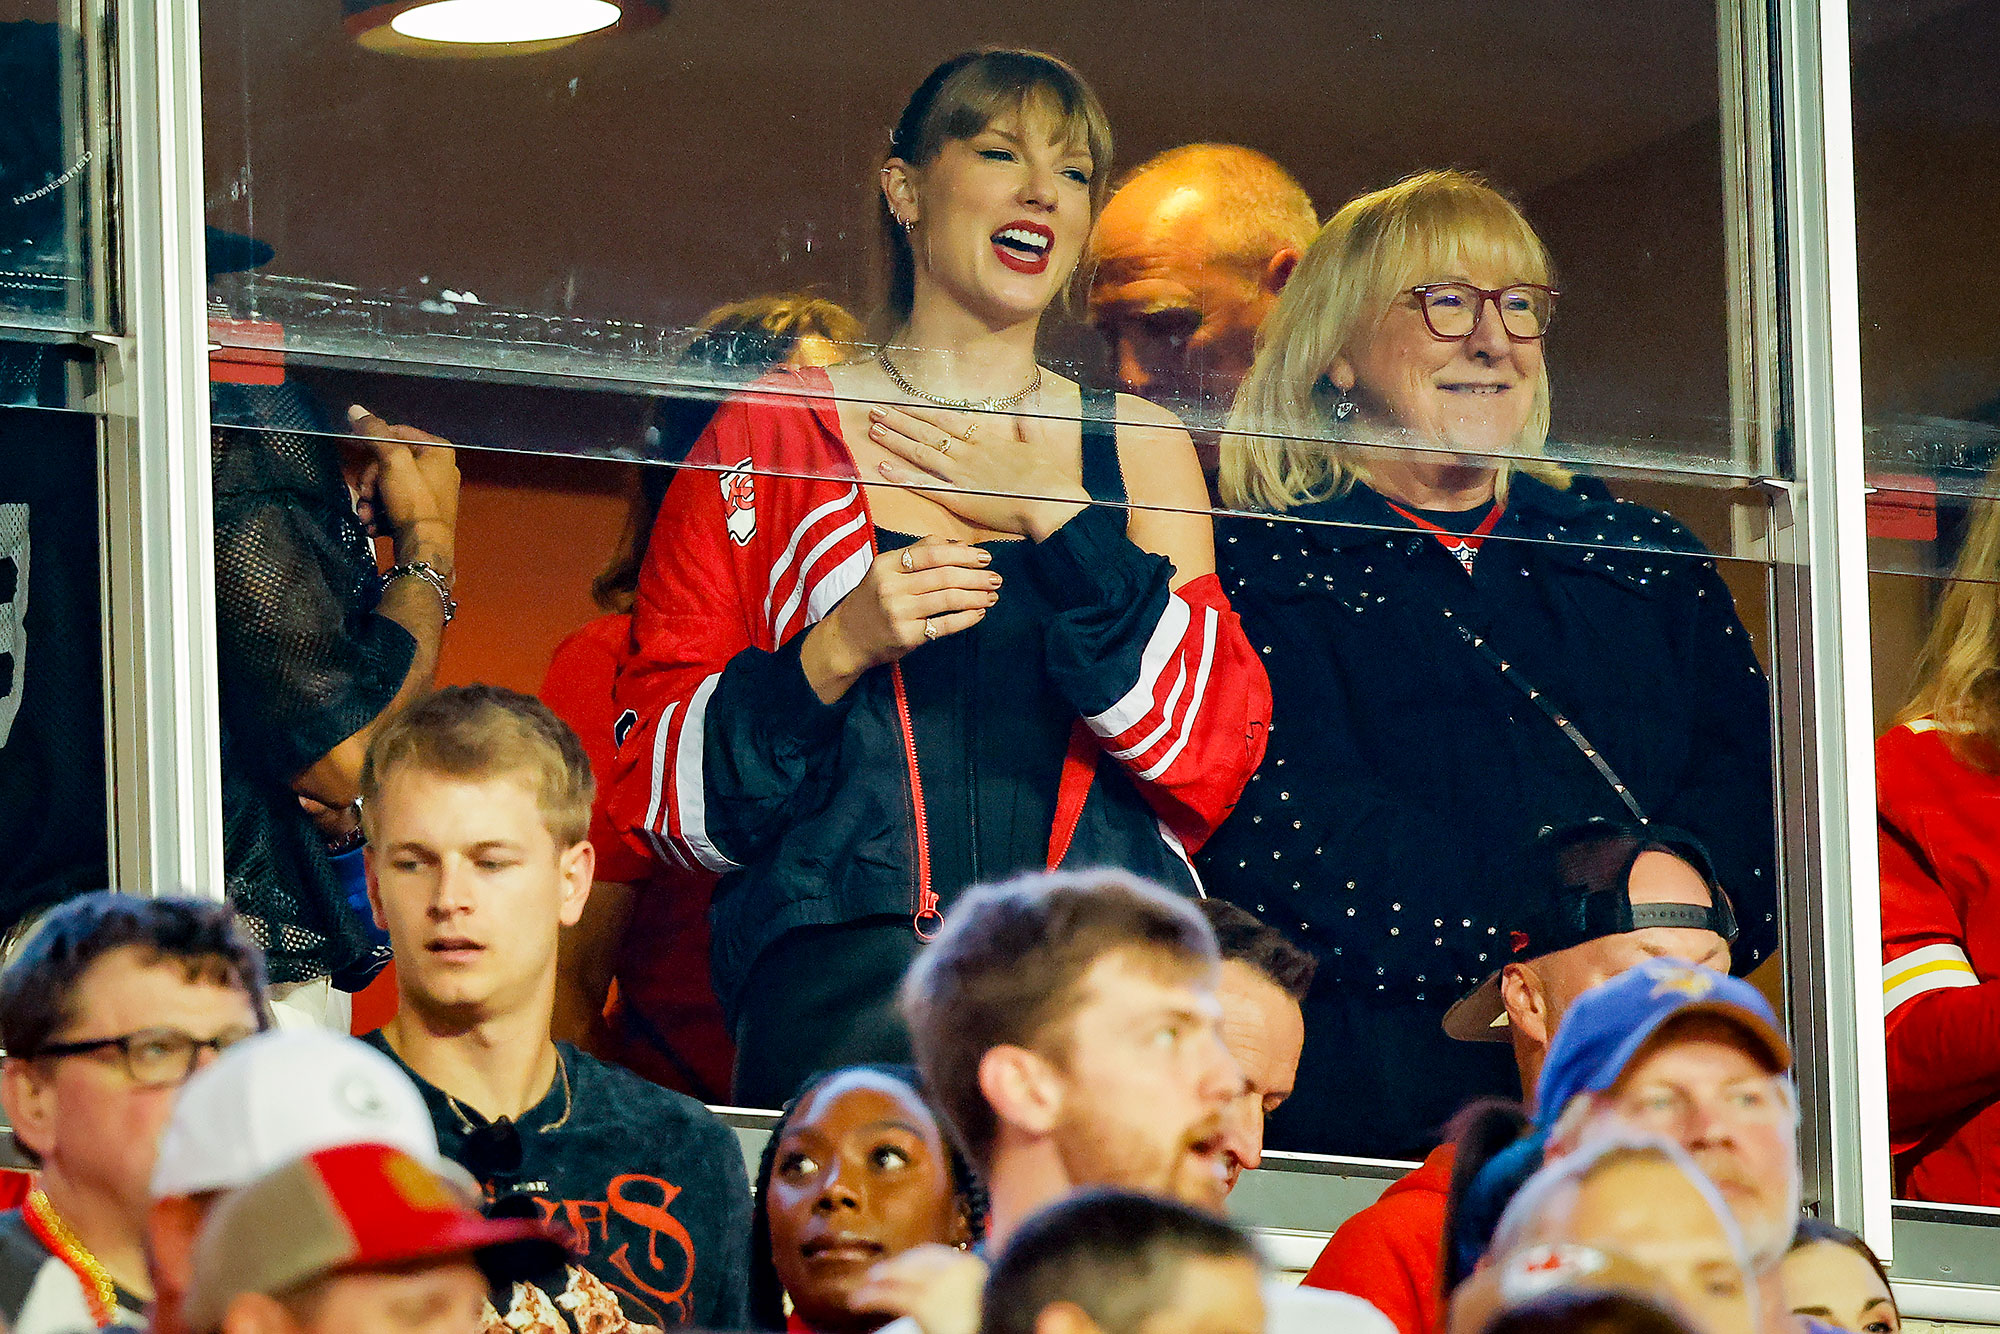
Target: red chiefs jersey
(1940, 847)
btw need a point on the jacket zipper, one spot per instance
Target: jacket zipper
(925, 918)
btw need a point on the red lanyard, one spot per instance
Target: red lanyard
(1464, 546)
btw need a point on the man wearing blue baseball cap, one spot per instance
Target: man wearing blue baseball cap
(1681, 1051)
(1585, 901)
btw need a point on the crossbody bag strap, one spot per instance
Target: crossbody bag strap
(1513, 677)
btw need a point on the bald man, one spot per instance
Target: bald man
(1191, 253)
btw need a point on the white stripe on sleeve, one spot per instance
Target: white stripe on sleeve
(805, 572)
(689, 791)
(1208, 624)
(1129, 711)
(1931, 968)
(839, 582)
(659, 794)
(798, 536)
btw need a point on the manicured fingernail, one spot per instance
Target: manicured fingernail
(876, 413)
(355, 412)
(985, 557)
(993, 579)
(884, 469)
(877, 431)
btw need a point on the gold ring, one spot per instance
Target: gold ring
(909, 562)
(971, 430)
(930, 631)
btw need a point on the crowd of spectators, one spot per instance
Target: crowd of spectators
(944, 774)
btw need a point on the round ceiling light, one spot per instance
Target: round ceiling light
(489, 27)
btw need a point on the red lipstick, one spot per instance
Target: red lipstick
(1024, 246)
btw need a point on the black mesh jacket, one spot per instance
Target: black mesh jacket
(305, 662)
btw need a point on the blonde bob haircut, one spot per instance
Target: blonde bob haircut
(1958, 671)
(958, 100)
(1275, 454)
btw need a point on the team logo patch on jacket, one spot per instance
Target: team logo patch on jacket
(739, 503)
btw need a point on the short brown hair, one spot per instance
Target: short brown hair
(39, 989)
(1005, 969)
(1247, 939)
(484, 732)
(1117, 1254)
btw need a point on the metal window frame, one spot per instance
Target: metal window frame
(161, 709)
(1796, 367)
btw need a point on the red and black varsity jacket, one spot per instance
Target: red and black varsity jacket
(728, 761)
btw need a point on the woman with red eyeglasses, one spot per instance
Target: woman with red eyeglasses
(1465, 645)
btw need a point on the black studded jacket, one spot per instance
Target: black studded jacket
(1402, 768)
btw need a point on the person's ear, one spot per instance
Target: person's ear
(255, 1313)
(1341, 372)
(1065, 1318)
(1527, 1002)
(1022, 1087)
(28, 1094)
(1278, 270)
(899, 187)
(368, 855)
(960, 1232)
(578, 865)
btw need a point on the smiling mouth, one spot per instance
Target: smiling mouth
(1024, 246)
(1475, 388)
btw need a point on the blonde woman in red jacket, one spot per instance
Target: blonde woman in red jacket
(1937, 775)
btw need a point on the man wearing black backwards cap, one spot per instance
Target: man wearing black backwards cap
(1594, 899)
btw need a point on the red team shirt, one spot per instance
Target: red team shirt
(1940, 843)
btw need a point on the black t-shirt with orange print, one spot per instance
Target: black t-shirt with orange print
(646, 1182)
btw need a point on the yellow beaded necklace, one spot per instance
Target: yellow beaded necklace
(49, 1229)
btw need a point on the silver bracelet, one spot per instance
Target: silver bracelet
(424, 570)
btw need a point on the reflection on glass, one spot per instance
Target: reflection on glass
(874, 695)
(1477, 652)
(573, 211)
(1936, 788)
(1926, 125)
(315, 648)
(47, 147)
(52, 783)
(646, 925)
(1187, 260)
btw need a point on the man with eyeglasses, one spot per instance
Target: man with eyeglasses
(107, 1008)
(1672, 1049)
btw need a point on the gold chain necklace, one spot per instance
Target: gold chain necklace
(897, 378)
(569, 1103)
(99, 1292)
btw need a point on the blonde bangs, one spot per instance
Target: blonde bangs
(1426, 227)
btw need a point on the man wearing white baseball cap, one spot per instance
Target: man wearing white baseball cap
(270, 1100)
